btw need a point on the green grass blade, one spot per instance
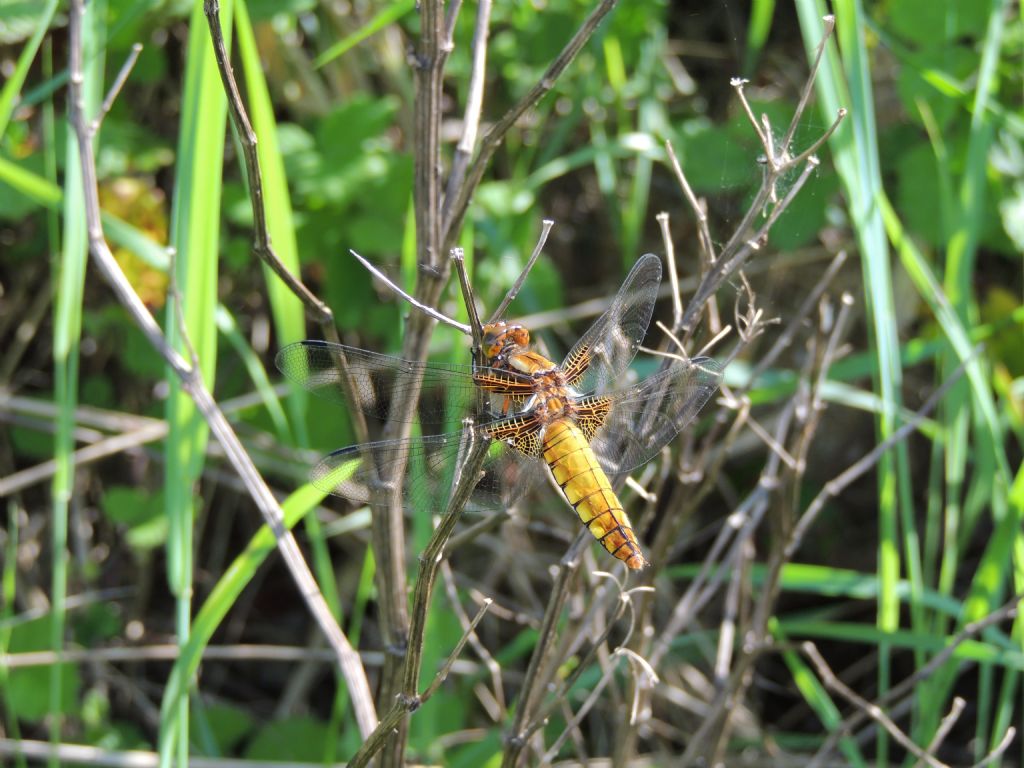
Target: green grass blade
(391, 13)
(953, 329)
(195, 235)
(975, 447)
(816, 695)
(855, 151)
(221, 599)
(760, 24)
(9, 93)
(67, 331)
(287, 311)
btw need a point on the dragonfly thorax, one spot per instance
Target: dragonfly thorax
(553, 398)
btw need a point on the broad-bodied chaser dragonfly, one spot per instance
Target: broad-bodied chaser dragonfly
(575, 418)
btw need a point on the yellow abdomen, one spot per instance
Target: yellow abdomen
(587, 489)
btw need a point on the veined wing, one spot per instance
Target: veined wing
(449, 390)
(604, 352)
(430, 466)
(644, 417)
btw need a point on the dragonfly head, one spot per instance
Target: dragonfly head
(502, 340)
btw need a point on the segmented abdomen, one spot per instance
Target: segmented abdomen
(587, 489)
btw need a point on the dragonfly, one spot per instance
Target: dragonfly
(575, 420)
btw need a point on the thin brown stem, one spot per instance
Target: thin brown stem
(876, 713)
(407, 700)
(261, 246)
(388, 528)
(517, 286)
(529, 694)
(116, 86)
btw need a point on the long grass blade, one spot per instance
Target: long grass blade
(855, 150)
(195, 235)
(9, 93)
(67, 322)
(221, 599)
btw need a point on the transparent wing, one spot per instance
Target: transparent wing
(605, 351)
(449, 390)
(430, 468)
(643, 418)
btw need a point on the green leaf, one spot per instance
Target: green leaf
(297, 739)
(28, 688)
(141, 511)
(229, 724)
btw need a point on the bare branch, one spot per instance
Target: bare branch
(485, 656)
(829, 23)
(873, 711)
(510, 296)
(945, 726)
(468, 632)
(474, 449)
(996, 754)
(835, 486)
(1008, 610)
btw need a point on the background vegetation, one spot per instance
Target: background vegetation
(127, 539)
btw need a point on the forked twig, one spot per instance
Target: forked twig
(778, 162)
(950, 720)
(1008, 610)
(876, 713)
(836, 485)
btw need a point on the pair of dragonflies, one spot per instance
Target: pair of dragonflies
(574, 420)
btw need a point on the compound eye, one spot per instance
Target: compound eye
(520, 335)
(491, 352)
